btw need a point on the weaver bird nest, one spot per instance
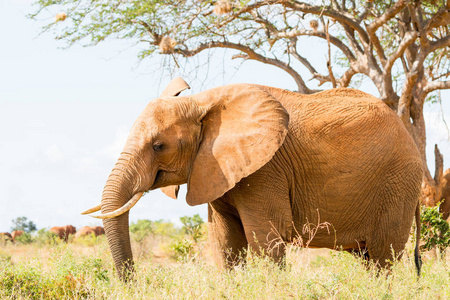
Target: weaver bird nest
(60, 17)
(167, 44)
(314, 25)
(223, 7)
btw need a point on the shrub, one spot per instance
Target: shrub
(163, 228)
(435, 231)
(141, 229)
(192, 226)
(25, 238)
(89, 240)
(45, 237)
(183, 249)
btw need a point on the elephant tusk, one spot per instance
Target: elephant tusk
(91, 210)
(121, 210)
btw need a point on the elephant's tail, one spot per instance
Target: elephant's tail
(417, 258)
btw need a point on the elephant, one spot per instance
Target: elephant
(63, 232)
(90, 230)
(268, 162)
(444, 207)
(6, 236)
(16, 233)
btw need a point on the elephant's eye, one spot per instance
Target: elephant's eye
(158, 146)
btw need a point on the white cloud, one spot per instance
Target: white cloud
(114, 149)
(54, 154)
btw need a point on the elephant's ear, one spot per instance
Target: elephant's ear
(171, 191)
(242, 128)
(175, 87)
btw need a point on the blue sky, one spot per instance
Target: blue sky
(65, 116)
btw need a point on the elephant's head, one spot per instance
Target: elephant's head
(209, 141)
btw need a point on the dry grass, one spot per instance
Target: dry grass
(80, 271)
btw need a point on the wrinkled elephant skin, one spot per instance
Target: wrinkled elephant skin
(268, 161)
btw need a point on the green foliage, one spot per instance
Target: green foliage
(25, 238)
(183, 249)
(435, 231)
(188, 245)
(141, 229)
(22, 223)
(71, 272)
(67, 277)
(89, 240)
(164, 228)
(145, 228)
(192, 226)
(45, 237)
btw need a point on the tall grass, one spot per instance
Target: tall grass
(85, 271)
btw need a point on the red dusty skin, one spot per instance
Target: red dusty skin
(117, 192)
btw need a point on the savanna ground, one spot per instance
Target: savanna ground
(173, 263)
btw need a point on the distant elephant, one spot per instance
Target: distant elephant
(269, 161)
(444, 207)
(16, 233)
(63, 232)
(88, 230)
(6, 236)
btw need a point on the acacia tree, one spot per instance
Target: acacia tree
(401, 46)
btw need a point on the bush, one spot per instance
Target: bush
(183, 249)
(192, 226)
(141, 229)
(45, 237)
(25, 238)
(165, 228)
(89, 240)
(435, 231)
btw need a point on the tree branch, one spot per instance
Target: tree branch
(380, 21)
(335, 41)
(405, 99)
(345, 80)
(408, 39)
(341, 17)
(156, 37)
(441, 18)
(436, 85)
(249, 54)
(441, 43)
(330, 70)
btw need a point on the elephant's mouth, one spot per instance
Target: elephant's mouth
(159, 179)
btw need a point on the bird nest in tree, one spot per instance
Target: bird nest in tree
(222, 7)
(167, 44)
(314, 24)
(60, 17)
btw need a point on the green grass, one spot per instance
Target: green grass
(85, 271)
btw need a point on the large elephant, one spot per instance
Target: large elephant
(268, 161)
(90, 230)
(6, 236)
(63, 232)
(16, 233)
(444, 207)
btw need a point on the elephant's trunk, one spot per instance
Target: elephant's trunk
(118, 190)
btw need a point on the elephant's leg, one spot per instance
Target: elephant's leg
(226, 233)
(393, 219)
(264, 206)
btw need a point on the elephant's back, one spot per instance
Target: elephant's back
(339, 118)
(345, 147)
